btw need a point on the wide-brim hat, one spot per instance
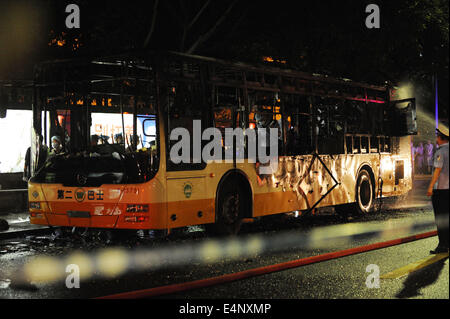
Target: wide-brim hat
(442, 129)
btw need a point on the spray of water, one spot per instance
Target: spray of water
(425, 99)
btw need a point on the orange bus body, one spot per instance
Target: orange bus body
(178, 199)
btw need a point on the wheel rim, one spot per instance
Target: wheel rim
(365, 195)
(230, 209)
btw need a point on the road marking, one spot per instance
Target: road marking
(400, 272)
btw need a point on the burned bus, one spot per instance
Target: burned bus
(339, 142)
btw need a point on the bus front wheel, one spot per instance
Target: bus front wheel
(364, 197)
(229, 212)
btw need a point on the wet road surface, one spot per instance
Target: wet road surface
(338, 278)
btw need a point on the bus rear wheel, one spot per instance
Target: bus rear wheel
(365, 195)
(365, 192)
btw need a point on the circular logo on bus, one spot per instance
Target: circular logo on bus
(187, 189)
(80, 194)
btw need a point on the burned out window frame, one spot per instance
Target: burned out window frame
(171, 102)
(235, 102)
(381, 145)
(297, 108)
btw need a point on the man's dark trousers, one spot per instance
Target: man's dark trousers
(440, 200)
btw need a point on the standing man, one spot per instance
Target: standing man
(438, 189)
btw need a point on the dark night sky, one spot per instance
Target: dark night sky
(315, 36)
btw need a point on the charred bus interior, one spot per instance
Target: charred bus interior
(104, 114)
(314, 113)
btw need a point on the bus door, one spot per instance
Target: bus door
(187, 203)
(185, 177)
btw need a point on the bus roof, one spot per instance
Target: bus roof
(224, 73)
(142, 55)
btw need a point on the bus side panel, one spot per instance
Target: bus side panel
(187, 199)
(303, 181)
(191, 195)
(151, 193)
(330, 181)
(298, 184)
(403, 185)
(268, 198)
(396, 168)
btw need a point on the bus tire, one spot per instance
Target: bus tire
(365, 192)
(229, 212)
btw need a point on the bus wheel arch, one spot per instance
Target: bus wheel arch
(233, 203)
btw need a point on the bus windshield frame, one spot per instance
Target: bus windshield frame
(97, 110)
